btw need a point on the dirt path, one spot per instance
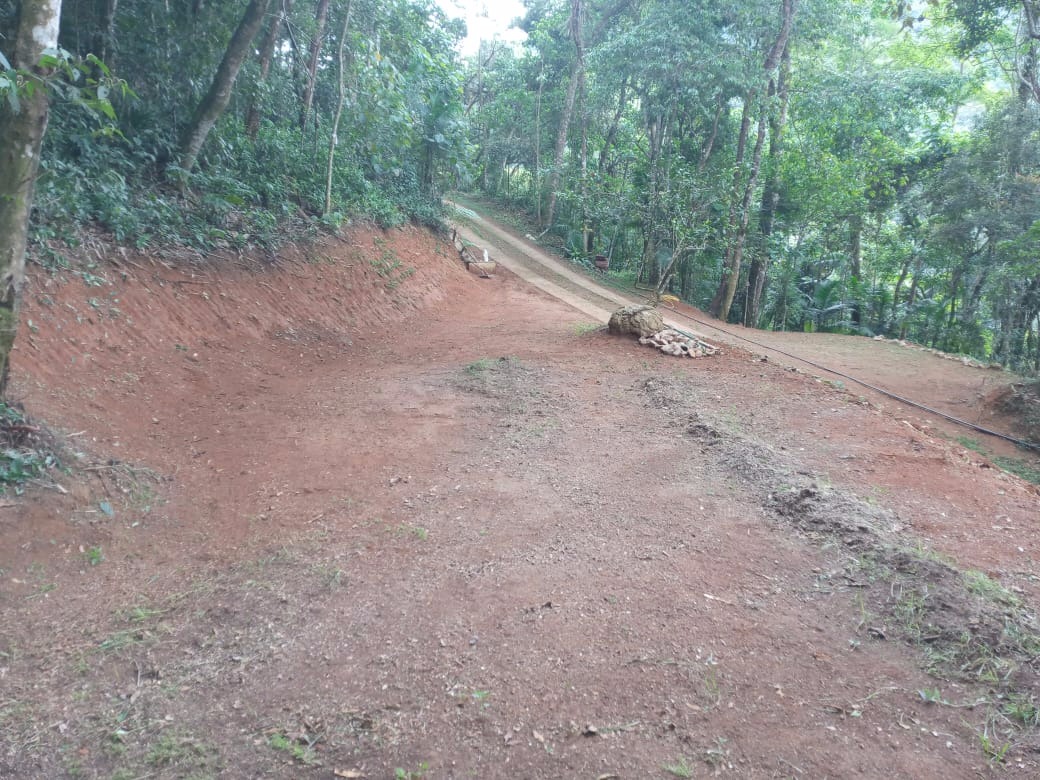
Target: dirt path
(462, 534)
(948, 385)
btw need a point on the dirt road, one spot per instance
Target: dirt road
(371, 516)
(944, 383)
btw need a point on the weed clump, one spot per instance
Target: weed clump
(27, 451)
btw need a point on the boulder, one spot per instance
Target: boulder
(637, 320)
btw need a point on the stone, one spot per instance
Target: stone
(636, 320)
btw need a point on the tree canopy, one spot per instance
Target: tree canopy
(856, 166)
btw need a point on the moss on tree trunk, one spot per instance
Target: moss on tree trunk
(22, 133)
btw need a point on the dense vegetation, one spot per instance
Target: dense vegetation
(862, 166)
(842, 165)
(264, 166)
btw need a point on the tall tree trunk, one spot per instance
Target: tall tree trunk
(321, 16)
(36, 29)
(735, 199)
(723, 299)
(274, 32)
(903, 272)
(537, 178)
(759, 272)
(656, 127)
(856, 262)
(576, 20)
(106, 29)
(587, 229)
(608, 142)
(735, 255)
(911, 297)
(709, 146)
(339, 104)
(212, 106)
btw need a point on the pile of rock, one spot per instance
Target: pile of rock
(647, 323)
(672, 342)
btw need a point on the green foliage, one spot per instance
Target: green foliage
(19, 466)
(899, 197)
(402, 133)
(21, 459)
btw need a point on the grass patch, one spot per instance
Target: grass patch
(986, 587)
(93, 556)
(971, 444)
(400, 773)
(478, 367)
(1020, 468)
(300, 750)
(585, 328)
(187, 756)
(679, 768)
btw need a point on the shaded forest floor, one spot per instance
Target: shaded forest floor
(358, 513)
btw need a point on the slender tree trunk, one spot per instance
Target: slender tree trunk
(732, 219)
(105, 37)
(212, 106)
(911, 298)
(274, 33)
(856, 262)
(321, 16)
(608, 142)
(36, 29)
(709, 146)
(723, 299)
(759, 272)
(576, 20)
(903, 273)
(735, 255)
(538, 145)
(656, 129)
(339, 104)
(587, 229)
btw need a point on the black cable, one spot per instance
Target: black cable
(1020, 442)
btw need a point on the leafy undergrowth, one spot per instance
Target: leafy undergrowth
(28, 452)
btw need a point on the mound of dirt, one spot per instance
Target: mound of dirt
(1022, 403)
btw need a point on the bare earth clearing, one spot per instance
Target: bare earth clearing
(362, 514)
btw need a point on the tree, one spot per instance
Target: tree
(740, 211)
(23, 123)
(212, 106)
(334, 137)
(321, 15)
(274, 32)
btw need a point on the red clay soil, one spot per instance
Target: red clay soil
(359, 513)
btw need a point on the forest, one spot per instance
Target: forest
(854, 166)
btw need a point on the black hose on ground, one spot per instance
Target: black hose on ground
(1020, 442)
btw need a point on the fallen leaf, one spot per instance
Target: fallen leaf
(354, 774)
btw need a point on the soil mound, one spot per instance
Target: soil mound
(1021, 402)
